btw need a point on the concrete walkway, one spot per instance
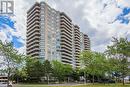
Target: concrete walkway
(66, 84)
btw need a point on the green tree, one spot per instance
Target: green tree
(20, 75)
(83, 72)
(67, 71)
(47, 68)
(94, 63)
(120, 51)
(61, 71)
(101, 65)
(87, 60)
(75, 74)
(34, 69)
(11, 58)
(112, 66)
(58, 70)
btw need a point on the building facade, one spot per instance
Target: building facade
(51, 35)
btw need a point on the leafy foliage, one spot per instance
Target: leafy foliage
(118, 53)
(60, 71)
(94, 63)
(10, 59)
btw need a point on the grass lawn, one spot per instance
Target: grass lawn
(89, 85)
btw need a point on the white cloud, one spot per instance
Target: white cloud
(101, 19)
(123, 3)
(5, 32)
(3, 36)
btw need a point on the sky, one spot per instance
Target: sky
(100, 19)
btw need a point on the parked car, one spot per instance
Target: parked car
(106, 81)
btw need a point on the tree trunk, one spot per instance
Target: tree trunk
(8, 76)
(98, 78)
(84, 78)
(47, 79)
(68, 79)
(17, 79)
(93, 79)
(8, 82)
(116, 80)
(123, 80)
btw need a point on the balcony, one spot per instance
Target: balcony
(66, 39)
(33, 34)
(32, 43)
(33, 19)
(66, 44)
(67, 58)
(30, 24)
(66, 61)
(33, 38)
(64, 21)
(32, 29)
(33, 50)
(66, 47)
(32, 46)
(65, 26)
(65, 16)
(32, 10)
(66, 52)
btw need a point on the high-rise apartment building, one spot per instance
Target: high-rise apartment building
(84, 42)
(51, 35)
(66, 39)
(77, 44)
